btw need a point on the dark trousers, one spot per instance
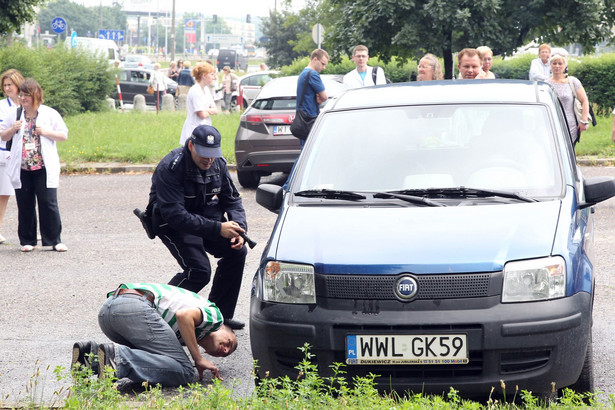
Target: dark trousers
(190, 251)
(34, 189)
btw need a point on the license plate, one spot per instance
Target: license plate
(281, 129)
(406, 349)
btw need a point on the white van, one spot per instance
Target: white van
(98, 46)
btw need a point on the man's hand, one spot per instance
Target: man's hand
(231, 230)
(204, 364)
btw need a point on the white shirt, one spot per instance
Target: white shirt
(353, 79)
(198, 100)
(48, 118)
(539, 71)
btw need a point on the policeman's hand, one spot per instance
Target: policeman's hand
(230, 229)
(237, 242)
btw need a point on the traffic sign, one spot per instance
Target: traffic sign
(117, 35)
(318, 33)
(58, 25)
(190, 26)
(73, 39)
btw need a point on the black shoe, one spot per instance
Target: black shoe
(106, 358)
(234, 324)
(86, 354)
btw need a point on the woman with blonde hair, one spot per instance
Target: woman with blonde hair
(486, 57)
(563, 85)
(429, 68)
(34, 167)
(200, 105)
(10, 81)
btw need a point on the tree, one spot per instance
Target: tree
(15, 13)
(410, 28)
(83, 19)
(281, 30)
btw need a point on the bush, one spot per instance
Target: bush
(73, 81)
(517, 68)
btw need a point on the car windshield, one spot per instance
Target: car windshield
(508, 148)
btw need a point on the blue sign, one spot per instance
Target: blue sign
(73, 39)
(58, 25)
(190, 26)
(116, 35)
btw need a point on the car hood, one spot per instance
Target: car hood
(415, 239)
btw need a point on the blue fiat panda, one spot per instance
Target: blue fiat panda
(435, 234)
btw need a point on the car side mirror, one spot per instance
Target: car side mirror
(598, 189)
(270, 196)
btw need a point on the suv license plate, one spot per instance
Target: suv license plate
(406, 349)
(281, 129)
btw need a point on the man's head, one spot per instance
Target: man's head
(544, 52)
(204, 146)
(469, 63)
(319, 60)
(360, 55)
(220, 343)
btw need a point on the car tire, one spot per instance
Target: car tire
(248, 179)
(585, 382)
(234, 104)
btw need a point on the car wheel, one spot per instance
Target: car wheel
(234, 105)
(248, 179)
(585, 382)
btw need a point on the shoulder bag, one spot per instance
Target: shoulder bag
(302, 124)
(578, 107)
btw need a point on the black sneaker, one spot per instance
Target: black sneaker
(86, 354)
(106, 358)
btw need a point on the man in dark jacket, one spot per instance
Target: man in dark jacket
(195, 208)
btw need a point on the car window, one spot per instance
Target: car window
(275, 104)
(503, 147)
(259, 80)
(139, 77)
(123, 75)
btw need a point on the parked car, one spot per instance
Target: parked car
(231, 58)
(134, 81)
(434, 234)
(250, 85)
(138, 61)
(263, 143)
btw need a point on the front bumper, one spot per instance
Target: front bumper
(529, 345)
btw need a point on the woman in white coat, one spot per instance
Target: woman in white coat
(200, 105)
(34, 167)
(9, 81)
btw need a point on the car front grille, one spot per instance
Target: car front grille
(380, 287)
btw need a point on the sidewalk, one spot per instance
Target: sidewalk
(119, 167)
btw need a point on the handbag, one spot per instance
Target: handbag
(302, 123)
(150, 89)
(578, 107)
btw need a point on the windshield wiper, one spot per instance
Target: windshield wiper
(330, 194)
(465, 192)
(408, 198)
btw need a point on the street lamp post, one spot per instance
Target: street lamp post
(173, 32)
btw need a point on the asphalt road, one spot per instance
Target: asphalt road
(50, 300)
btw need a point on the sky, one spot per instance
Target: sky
(224, 8)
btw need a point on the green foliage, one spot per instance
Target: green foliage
(412, 28)
(517, 68)
(282, 30)
(597, 74)
(72, 80)
(14, 13)
(83, 19)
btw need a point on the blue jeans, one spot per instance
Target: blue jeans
(147, 348)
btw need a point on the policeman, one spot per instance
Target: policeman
(195, 208)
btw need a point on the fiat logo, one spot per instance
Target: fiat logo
(406, 287)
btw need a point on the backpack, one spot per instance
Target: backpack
(374, 75)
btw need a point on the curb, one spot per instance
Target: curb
(113, 168)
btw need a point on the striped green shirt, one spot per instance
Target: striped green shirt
(169, 299)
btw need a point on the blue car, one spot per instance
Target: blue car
(438, 235)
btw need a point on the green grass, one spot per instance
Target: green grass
(140, 138)
(596, 141)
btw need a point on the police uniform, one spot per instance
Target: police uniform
(188, 206)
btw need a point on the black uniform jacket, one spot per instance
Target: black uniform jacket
(187, 199)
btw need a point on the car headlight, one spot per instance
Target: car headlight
(536, 279)
(288, 283)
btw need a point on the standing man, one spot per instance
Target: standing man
(150, 323)
(195, 208)
(363, 75)
(469, 63)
